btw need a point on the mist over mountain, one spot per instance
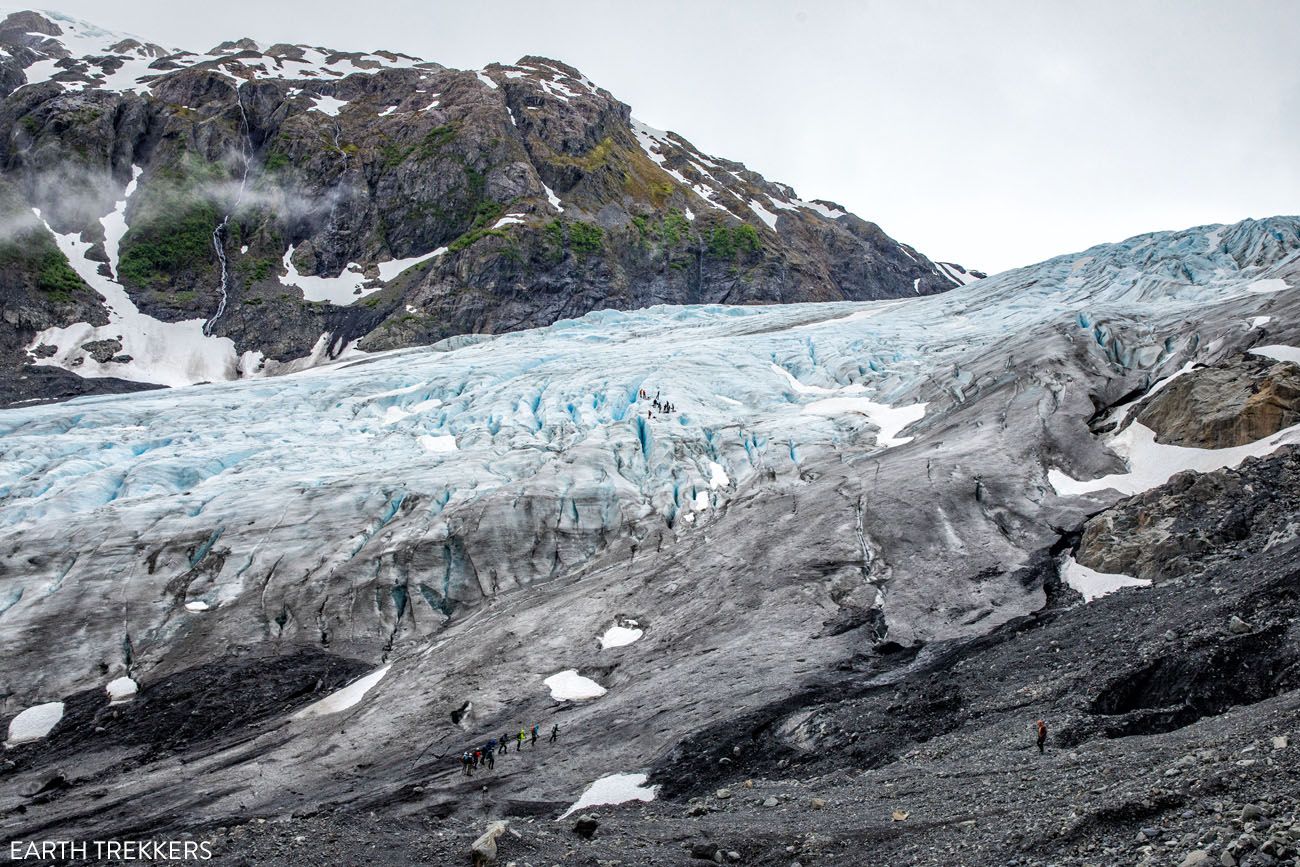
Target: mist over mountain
(256, 209)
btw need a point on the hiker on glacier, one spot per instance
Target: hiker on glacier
(533, 742)
(555, 733)
(523, 736)
(1042, 735)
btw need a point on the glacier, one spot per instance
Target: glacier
(466, 517)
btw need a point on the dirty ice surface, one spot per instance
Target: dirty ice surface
(613, 789)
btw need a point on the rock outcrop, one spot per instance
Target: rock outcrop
(1229, 404)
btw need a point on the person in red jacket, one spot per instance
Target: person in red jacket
(1042, 735)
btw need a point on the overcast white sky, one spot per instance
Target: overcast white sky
(990, 133)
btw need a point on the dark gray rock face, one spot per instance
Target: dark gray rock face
(544, 198)
(1157, 534)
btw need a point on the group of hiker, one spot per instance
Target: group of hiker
(484, 757)
(662, 407)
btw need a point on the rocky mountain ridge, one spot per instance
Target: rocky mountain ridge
(256, 209)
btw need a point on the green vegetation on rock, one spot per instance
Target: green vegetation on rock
(171, 233)
(581, 237)
(728, 243)
(485, 216)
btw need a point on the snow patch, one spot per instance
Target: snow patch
(717, 476)
(348, 286)
(328, 105)
(197, 605)
(344, 698)
(613, 789)
(619, 636)
(1151, 464)
(1092, 584)
(570, 686)
(1278, 351)
(483, 78)
(34, 723)
(553, 199)
(889, 419)
(437, 444)
(390, 269)
(1273, 284)
(763, 214)
(166, 353)
(121, 689)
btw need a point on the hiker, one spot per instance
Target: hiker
(490, 758)
(491, 747)
(465, 760)
(1042, 735)
(505, 743)
(555, 733)
(478, 757)
(533, 742)
(522, 737)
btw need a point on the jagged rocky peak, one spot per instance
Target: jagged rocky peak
(293, 201)
(234, 47)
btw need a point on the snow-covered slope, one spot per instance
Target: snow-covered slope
(85, 55)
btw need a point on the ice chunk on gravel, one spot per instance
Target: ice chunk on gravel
(121, 689)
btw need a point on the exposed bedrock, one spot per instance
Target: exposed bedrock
(1230, 404)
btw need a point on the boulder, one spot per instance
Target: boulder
(586, 826)
(1227, 405)
(484, 850)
